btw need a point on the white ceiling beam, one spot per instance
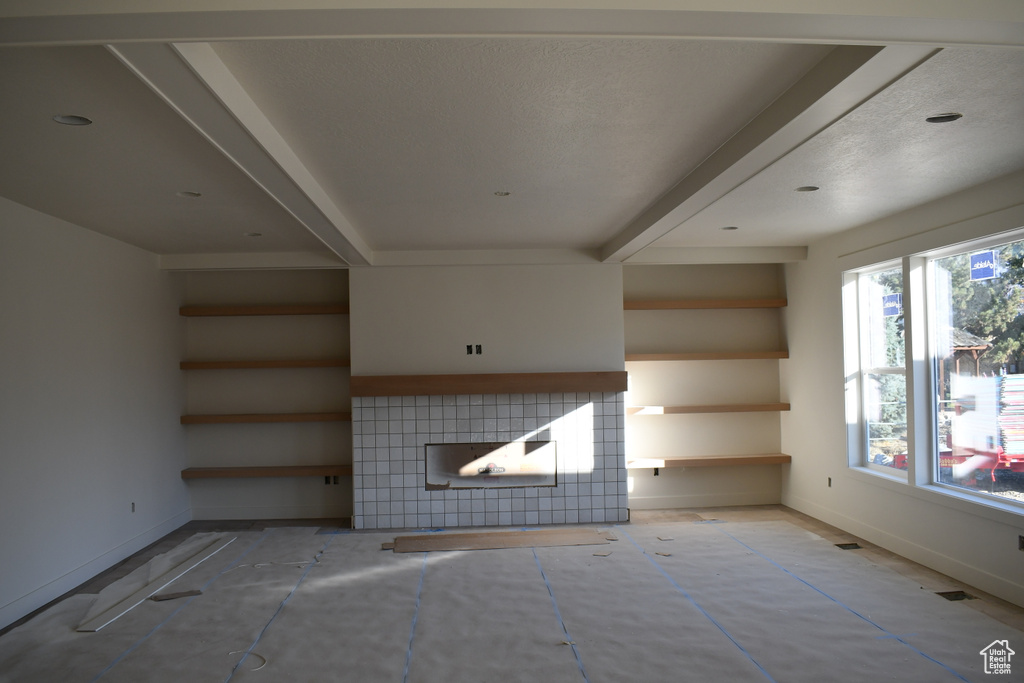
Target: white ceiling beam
(217, 106)
(867, 22)
(977, 8)
(299, 260)
(712, 255)
(848, 76)
(494, 257)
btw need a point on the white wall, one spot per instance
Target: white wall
(89, 402)
(974, 543)
(418, 320)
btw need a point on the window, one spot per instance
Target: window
(883, 374)
(964, 307)
(977, 320)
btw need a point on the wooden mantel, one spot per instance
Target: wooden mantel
(498, 383)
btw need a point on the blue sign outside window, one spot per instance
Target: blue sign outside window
(983, 265)
(892, 304)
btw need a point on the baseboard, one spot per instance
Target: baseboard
(272, 512)
(30, 602)
(699, 500)
(999, 586)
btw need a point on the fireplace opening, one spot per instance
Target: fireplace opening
(490, 465)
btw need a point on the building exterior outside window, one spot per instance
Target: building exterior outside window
(977, 323)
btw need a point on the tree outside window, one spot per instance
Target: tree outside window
(884, 373)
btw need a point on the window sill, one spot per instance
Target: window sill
(1011, 514)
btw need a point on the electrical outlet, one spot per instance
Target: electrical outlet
(1020, 543)
(469, 349)
(479, 349)
(830, 482)
(133, 506)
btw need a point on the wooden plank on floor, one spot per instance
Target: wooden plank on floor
(494, 540)
(160, 597)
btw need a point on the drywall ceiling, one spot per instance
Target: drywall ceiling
(417, 135)
(883, 157)
(122, 175)
(340, 134)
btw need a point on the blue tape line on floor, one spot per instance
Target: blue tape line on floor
(849, 609)
(703, 611)
(185, 604)
(565, 630)
(415, 618)
(279, 608)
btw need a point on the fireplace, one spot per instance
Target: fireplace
(574, 438)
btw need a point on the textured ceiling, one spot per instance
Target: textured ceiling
(345, 133)
(120, 176)
(416, 135)
(882, 157)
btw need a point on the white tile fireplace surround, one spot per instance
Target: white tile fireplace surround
(390, 434)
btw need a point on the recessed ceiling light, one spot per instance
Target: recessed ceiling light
(944, 118)
(254, 234)
(730, 227)
(807, 188)
(502, 193)
(71, 120)
(190, 194)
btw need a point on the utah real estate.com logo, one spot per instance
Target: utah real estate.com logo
(997, 657)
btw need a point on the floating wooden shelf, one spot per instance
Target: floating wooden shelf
(265, 417)
(300, 309)
(701, 304)
(709, 461)
(500, 383)
(723, 408)
(263, 364)
(280, 471)
(710, 355)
